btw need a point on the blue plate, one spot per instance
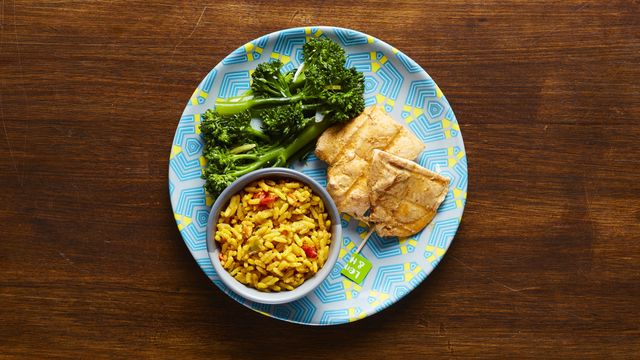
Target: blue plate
(407, 93)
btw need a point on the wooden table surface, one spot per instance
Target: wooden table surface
(546, 263)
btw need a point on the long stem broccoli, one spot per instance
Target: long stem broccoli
(293, 107)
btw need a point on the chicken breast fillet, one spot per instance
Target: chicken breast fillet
(348, 150)
(404, 196)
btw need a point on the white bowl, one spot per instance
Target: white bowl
(310, 284)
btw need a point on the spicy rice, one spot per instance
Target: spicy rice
(274, 235)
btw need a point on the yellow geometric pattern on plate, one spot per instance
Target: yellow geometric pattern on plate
(408, 273)
(454, 158)
(413, 113)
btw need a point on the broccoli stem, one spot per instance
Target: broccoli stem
(269, 88)
(257, 133)
(244, 96)
(245, 157)
(299, 76)
(309, 134)
(231, 107)
(311, 106)
(242, 148)
(278, 156)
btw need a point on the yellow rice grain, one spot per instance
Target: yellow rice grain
(263, 245)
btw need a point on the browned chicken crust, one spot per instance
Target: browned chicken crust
(404, 196)
(348, 150)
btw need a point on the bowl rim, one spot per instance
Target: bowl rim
(308, 285)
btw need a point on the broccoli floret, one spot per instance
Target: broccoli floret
(344, 99)
(287, 103)
(268, 80)
(224, 166)
(283, 121)
(322, 81)
(323, 65)
(229, 130)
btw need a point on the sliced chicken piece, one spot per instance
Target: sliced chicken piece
(336, 139)
(347, 186)
(348, 150)
(404, 196)
(373, 129)
(405, 144)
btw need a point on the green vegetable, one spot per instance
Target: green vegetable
(283, 121)
(267, 80)
(322, 81)
(225, 166)
(228, 130)
(294, 108)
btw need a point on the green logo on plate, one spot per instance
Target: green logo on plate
(356, 268)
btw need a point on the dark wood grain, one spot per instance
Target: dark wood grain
(546, 263)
